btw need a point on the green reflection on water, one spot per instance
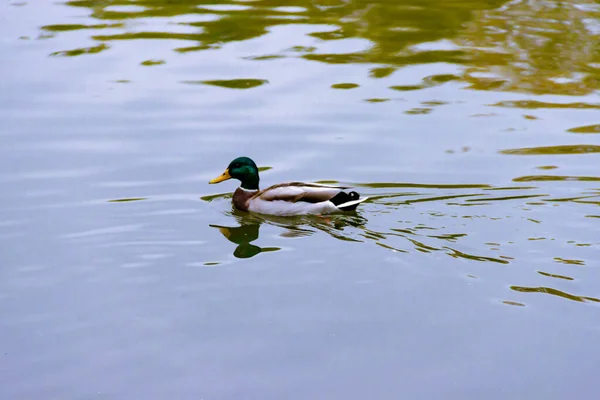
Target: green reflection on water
(77, 52)
(232, 83)
(76, 27)
(344, 86)
(586, 129)
(547, 178)
(552, 49)
(568, 278)
(534, 104)
(547, 150)
(127, 200)
(149, 63)
(555, 292)
(570, 262)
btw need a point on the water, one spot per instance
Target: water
(471, 273)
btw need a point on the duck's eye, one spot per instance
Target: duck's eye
(235, 166)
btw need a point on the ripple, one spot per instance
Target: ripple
(289, 9)
(266, 57)
(105, 146)
(569, 262)
(381, 72)
(435, 198)
(552, 178)
(150, 35)
(125, 184)
(419, 111)
(231, 83)
(433, 103)
(344, 86)
(126, 200)
(377, 100)
(386, 185)
(429, 81)
(568, 278)
(124, 8)
(149, 63)
(224, 7)
(555, 292)
(586, 129)
(459, 254)
(525, 196)
(154, 243)
(552, 150)
(76, 27)
(104, 231)
(80, 51)
(513, 303)
(51, 174)
(534, 104)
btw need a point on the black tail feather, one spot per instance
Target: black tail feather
(343, 197)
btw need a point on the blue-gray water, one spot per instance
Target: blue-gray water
(471, 273)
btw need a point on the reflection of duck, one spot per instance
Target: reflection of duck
(293, 198)
(242, 236)
(249, 228)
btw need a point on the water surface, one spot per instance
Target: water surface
(470, 273)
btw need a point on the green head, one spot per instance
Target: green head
(242, 169)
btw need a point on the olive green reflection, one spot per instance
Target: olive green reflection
(535, 105)
(546, 178)
(127, 199)
(585, 129)
(232, 83)
(555, 292)
(548, 150)
(533, 46)
(77, 52)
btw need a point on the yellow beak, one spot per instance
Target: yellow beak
(223, 177)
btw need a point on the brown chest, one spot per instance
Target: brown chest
(241, 198)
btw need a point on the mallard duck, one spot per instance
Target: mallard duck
(292, 198)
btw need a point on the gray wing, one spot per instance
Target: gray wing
(300, 191)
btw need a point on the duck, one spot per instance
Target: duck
(285, 199)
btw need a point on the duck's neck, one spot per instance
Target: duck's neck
(250, 182)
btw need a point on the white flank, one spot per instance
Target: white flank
(284, 208)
